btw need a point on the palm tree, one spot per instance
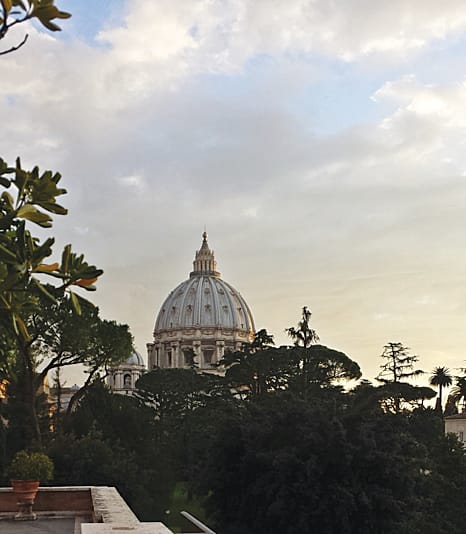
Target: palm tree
(459, 391)
(440, 377)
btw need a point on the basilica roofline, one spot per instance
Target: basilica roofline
(194, 328)
(216, 274)
(203, 329)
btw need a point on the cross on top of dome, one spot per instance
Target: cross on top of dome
(204, 261)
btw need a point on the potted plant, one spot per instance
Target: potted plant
(26, 472)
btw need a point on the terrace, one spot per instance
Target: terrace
(77, 510)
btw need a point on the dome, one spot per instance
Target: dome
(204, 301)
(134, 359)
(204, 316)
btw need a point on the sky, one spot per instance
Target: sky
(321, 143)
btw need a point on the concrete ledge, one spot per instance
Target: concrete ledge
(109, 507)
(113, 528)
(113, 515)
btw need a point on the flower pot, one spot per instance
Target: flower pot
(25, 491)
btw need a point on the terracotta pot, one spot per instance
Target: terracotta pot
(25, 491)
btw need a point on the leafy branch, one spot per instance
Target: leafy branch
(23, 258)
(13, 12)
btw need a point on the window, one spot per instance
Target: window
(188, 356)
(169, 358)
(208, 354)
(127, 381)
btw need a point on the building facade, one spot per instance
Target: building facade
(456, 424)
(200, 319)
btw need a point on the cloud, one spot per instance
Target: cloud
(222, 35)
(193, 113)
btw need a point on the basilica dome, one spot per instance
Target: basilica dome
(202, 317)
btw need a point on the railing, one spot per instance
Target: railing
(204, 528)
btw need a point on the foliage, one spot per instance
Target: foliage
(303, 335)
(59, 338)
(20, 429)
(64, 338)
(458, 393)
(268, 462)
(112, 440)
(174, 393)
(440, 377)
(399, 364)
(31, 466)
(22, 255)
(316, 365)
(257, 368)
(22, 264)
(260, 368)
(281, 464)
(13, 12)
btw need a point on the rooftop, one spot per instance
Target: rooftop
(75, 510)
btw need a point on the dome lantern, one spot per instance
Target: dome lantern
(204, 261)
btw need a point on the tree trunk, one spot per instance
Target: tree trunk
(30, 391)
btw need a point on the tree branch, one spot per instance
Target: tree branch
(4, 26)
(80, 393)
(17, 47)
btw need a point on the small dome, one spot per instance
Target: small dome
(134, 359)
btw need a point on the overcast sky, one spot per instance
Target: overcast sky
(322, 143)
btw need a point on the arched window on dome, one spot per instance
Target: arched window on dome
(169, 358)
(127, 381)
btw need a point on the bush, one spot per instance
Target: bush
(31, 466)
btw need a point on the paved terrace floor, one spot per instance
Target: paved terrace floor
(40, 526)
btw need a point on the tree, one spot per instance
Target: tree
(441, 378)
(64, 338)
(458, 393)
(59, 338)
(399, 366)
(22, 255)
(281, 463)
(113, 439)
(175, 396)
(304, 335)
(173, 393)
(317, 365)
(13, 12)
(257, 368)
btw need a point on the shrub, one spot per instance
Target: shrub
(31, 466)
